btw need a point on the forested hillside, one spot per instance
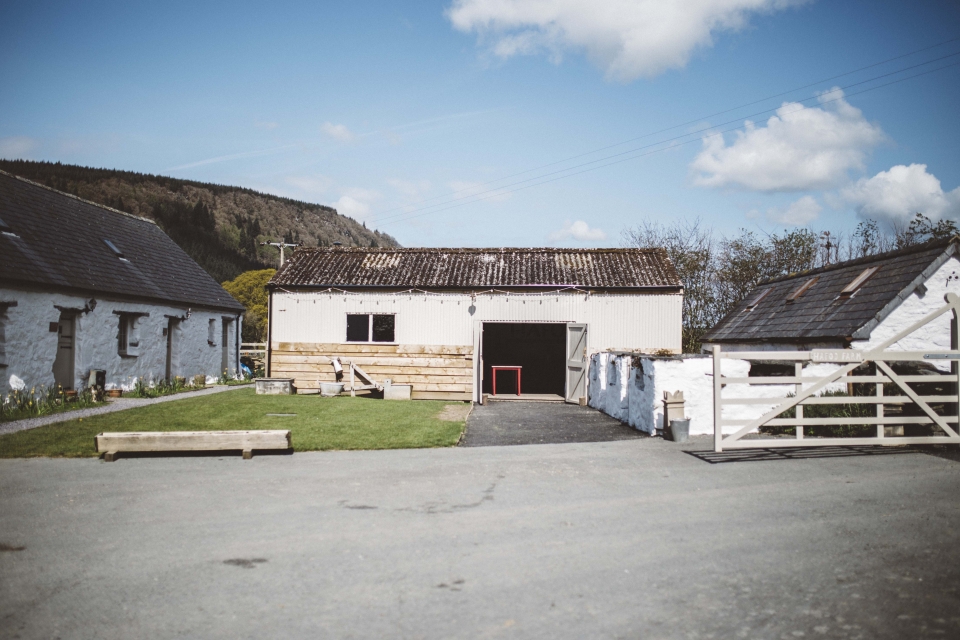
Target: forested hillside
(218, 226)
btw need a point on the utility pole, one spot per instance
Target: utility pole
(279, 245)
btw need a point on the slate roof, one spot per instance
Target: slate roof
(478, 268)
(820, 313)
(56, 241)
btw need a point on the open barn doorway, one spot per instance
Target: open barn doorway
(537, 348)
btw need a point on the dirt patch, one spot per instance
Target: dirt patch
(456, 412)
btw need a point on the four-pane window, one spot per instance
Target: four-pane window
(371, 327)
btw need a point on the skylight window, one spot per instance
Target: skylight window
(113, 248)
(851, 288)
(801, 290)
(758, 299)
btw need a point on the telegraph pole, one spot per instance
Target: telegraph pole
(279, 245)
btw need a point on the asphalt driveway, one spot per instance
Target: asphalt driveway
(514, 423)
(625, 539)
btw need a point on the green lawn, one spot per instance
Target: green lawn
(320, 423)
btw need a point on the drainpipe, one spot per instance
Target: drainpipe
(269, 333)
(238, 326)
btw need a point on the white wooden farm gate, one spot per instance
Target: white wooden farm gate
(945, 425)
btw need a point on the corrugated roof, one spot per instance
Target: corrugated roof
(821, 313)
(478, 268)
(58, 240)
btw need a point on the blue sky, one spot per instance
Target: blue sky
(383, 109)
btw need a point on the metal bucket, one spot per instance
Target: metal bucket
(680, 430)
(330, 389)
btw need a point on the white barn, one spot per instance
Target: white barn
(84, 287)
(440, 319)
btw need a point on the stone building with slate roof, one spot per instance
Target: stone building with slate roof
(441, 320)
(84, 287)
(852, 304)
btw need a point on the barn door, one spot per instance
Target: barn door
(576, 382)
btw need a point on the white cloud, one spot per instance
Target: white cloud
(317, 184)
(800, 148)
(625, 38)
(799, 213)
(897, 194)
(579, 231)
(269, 126)
(16, 147)
(410, 188)
(356, 203)
(337, 131)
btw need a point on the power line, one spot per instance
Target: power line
(499, 192)
(653, 133)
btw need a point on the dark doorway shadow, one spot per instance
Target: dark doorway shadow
(798, 453)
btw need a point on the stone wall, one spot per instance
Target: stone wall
(29, 347)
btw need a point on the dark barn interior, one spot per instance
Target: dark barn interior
(537, 347)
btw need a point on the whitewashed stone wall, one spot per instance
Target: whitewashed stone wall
(630, 388)
(30, 348)
(934, 336)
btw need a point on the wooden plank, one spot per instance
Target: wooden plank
(779, 443)
(790, 422)
(377, 370)
(366, 361)
(309, 384)
(435, 349)
(840, 400)
(766, 380)
(409, 349)
(397, 378)
(441, 395)
(192, 440)
(314, 347)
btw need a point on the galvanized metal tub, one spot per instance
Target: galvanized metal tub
(331, 389)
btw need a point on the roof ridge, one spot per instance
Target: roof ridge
(84, 200)
(877, 257)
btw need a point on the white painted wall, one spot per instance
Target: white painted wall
(934, 336)
(630, 388)
(30, 347)
(636, 322)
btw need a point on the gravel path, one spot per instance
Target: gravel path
(110, 406)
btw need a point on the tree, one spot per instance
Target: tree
(923, 229)
(249, 288)
(691, 250)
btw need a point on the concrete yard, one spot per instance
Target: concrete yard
(624, 539)
(510, 423)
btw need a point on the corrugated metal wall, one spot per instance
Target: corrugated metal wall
(628, 322)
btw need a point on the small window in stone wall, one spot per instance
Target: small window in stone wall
(212, 332)
(128, 334)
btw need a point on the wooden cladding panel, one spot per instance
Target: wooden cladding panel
(341, 349)
(438, 372)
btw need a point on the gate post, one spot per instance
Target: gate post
(717, 404)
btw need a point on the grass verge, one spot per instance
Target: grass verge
(319, 423)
